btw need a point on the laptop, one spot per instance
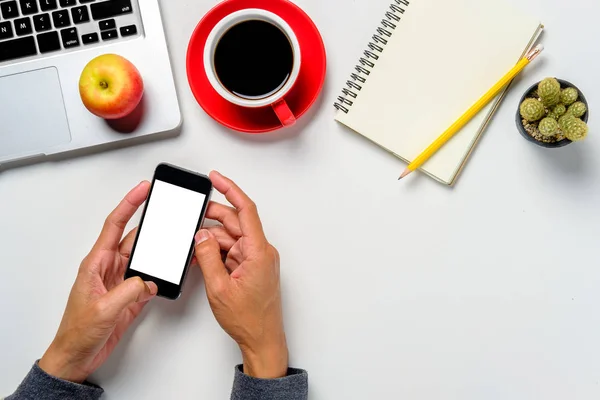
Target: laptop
(44, 47)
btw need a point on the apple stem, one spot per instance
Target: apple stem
(103, 84)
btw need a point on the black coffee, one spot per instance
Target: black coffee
(254, 59)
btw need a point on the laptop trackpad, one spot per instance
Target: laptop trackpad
(32, 113)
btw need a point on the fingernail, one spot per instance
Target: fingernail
(202, 236)
(152, 287)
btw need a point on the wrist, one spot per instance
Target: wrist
(59, 365)
(266, 362)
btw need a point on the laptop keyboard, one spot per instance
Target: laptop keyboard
(42, 27)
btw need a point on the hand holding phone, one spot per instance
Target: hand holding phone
(244, 291)
(101, 306)
(164, 245)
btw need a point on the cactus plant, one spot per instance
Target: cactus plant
(569, 96)
(575, 129)
(562, 121)
(559, 110)
(532, 110)
(552, 115)
(549, 92)
(548, 127)
(577, 109)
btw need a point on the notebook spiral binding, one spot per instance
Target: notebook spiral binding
(367, 63)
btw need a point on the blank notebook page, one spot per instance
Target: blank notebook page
(441, 58)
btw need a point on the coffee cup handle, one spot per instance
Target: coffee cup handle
(285, 115)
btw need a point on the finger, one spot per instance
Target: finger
(127, 243)
(227, 216)
(132, 291)
(115, 223)
(208, 254)
(231, 264)
(226, 241)
(247, 212)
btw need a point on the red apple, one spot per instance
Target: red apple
(110, 86)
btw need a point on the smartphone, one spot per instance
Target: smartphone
(164, 244)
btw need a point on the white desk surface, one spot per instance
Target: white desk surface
(410, 290)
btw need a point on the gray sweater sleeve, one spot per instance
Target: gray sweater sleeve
(292, 387)
(38, 385)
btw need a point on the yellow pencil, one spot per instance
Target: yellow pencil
(472, 112)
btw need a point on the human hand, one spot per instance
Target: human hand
(244, 291)
(101, 305)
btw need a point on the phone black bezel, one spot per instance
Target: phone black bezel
(188, 180)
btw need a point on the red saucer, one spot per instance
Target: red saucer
(302, 96)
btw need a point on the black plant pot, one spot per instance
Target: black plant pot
(519, 119)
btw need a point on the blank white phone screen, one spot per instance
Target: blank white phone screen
(168, 230)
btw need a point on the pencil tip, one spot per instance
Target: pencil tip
(405, 173)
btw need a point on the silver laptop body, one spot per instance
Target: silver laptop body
(44, 47)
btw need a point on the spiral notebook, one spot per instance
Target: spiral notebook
(427, 63)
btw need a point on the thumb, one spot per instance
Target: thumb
(133, 290)
(208, 255)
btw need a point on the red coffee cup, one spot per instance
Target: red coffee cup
(274, 99)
